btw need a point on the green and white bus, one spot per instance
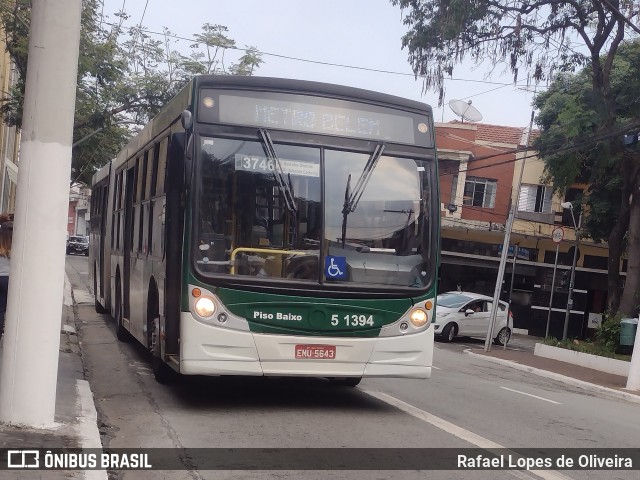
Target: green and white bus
(265, 226)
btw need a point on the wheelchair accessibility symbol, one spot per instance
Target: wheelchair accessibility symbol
(335, 267)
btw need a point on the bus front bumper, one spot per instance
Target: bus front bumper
(212, 350)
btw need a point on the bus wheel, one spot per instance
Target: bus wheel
(346, 382)
(121, 332)
(99, 308)
(161, 371)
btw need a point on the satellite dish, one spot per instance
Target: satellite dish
(465, 110)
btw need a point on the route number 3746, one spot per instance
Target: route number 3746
(352, 320)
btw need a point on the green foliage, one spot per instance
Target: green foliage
(125, 77)
(606, 344)
(608, 334)
(581, 142)
(535, 39)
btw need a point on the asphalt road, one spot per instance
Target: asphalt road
(467, 403)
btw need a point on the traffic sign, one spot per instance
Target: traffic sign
(557, 235)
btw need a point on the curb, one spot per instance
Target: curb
(612, 392)
(86, 427)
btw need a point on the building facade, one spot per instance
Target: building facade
(9, 135)
(79, 210)
(485, 170)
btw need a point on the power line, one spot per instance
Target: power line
(320, 62)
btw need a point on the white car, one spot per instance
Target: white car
(468, 314)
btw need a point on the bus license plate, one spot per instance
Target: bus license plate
(326, 352)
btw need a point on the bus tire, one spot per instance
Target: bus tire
(162, 372)
(346, 382)
(99, 308)
(121, 332)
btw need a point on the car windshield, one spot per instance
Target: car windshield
(79, 240)
(452, 300)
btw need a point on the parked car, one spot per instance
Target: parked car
(468, 314)
(78, 245)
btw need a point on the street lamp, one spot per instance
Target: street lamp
(569, 205)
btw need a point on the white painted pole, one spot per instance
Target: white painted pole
(553, 286)
(498, 289)
(28, 375)
(633, 380)
(505, 246)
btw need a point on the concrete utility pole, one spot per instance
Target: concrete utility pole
(501, 268)
(505, 247)
(29, 371)
(633, 380)
(576, 228)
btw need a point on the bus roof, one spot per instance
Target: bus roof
(102, 173)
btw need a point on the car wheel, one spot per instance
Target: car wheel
(449, 332)
(503, 336)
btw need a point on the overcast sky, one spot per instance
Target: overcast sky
(358, 33)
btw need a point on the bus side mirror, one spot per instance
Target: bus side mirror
(186, 119)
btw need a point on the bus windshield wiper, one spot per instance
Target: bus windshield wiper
(278, 172)
(351, 199)
(352, 202)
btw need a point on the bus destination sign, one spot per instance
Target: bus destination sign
(319, 115)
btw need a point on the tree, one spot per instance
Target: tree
(537, 37)
(573, 153)
(125, 77)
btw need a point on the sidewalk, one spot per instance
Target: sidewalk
(592, 380)
(76, 423)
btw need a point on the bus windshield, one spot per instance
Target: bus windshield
(283, 214)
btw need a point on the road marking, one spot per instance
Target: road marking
(531, 395)
(436, 368)
(461, 433)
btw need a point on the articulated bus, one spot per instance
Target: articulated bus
(264, 226)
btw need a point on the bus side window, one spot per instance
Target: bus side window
(151, 182)
(143, 240)
(142, 177)
(162, 166)
(158, 209)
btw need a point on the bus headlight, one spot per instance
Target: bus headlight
(418, 317)
(205, 307)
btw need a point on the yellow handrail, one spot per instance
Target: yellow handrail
(262, 250)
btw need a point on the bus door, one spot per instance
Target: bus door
(128, 242)
(104, 194)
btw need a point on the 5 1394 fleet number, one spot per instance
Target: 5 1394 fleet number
(352, 320)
